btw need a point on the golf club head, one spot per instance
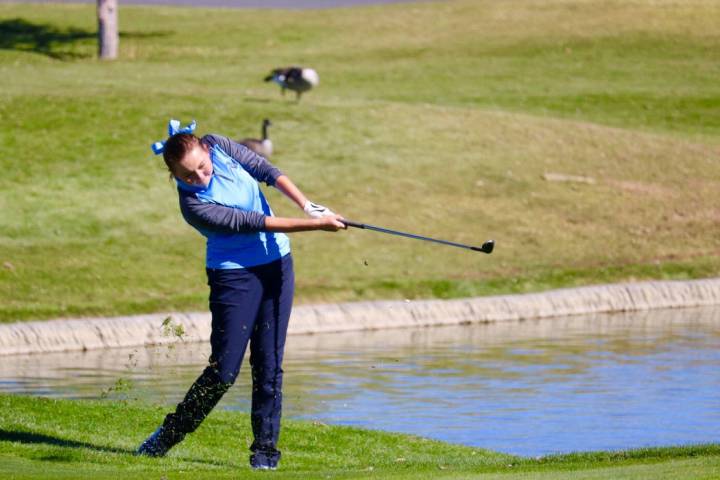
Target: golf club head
(487, 247)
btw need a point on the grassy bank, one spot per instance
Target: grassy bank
(41, 438)
(437, 118)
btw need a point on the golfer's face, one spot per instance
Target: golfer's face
(195, 168)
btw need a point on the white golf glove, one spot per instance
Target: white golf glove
(316, 211)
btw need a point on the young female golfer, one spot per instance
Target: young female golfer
(250, 274)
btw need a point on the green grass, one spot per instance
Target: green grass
(436, 118)
(55, 439)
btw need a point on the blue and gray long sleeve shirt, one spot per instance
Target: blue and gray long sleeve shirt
(230, 212)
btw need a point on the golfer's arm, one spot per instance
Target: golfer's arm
(287, 225)
(219, 218)
(286, 186)
(258, 167)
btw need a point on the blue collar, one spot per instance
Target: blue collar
(192, 188)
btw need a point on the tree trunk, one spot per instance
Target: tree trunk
(108, 38)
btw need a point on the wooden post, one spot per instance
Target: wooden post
(108, 37)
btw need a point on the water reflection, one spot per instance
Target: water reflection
(530, 387)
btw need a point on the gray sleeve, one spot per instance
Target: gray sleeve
(256, 165)
(218, 218)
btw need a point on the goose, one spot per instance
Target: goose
(297, 79)
(262, 146)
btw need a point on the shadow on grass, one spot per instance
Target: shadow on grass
(22, 35)
(31, 438)
(39, 438)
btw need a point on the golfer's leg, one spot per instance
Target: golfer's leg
(235, 297)
(267, 345)
(199, 400)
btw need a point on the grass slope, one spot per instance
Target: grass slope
(42, 438)
(437, 118)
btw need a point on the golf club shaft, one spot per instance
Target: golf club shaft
(365, 226)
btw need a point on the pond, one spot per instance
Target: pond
(535, 387)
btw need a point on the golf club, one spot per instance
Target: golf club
(486, 247)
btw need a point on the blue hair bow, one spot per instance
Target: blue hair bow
(173, 129)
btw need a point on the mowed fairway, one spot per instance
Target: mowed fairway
(62, 439)
(442, 119)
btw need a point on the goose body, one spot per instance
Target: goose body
(262, 146)
(297, 79)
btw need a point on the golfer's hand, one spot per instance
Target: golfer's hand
(315, 210)
(331, 223)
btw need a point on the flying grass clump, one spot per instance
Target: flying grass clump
(171, 328)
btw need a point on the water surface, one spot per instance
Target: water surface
(529, 388)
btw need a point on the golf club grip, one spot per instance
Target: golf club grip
(350, 223)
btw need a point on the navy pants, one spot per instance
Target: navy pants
(248, 305)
